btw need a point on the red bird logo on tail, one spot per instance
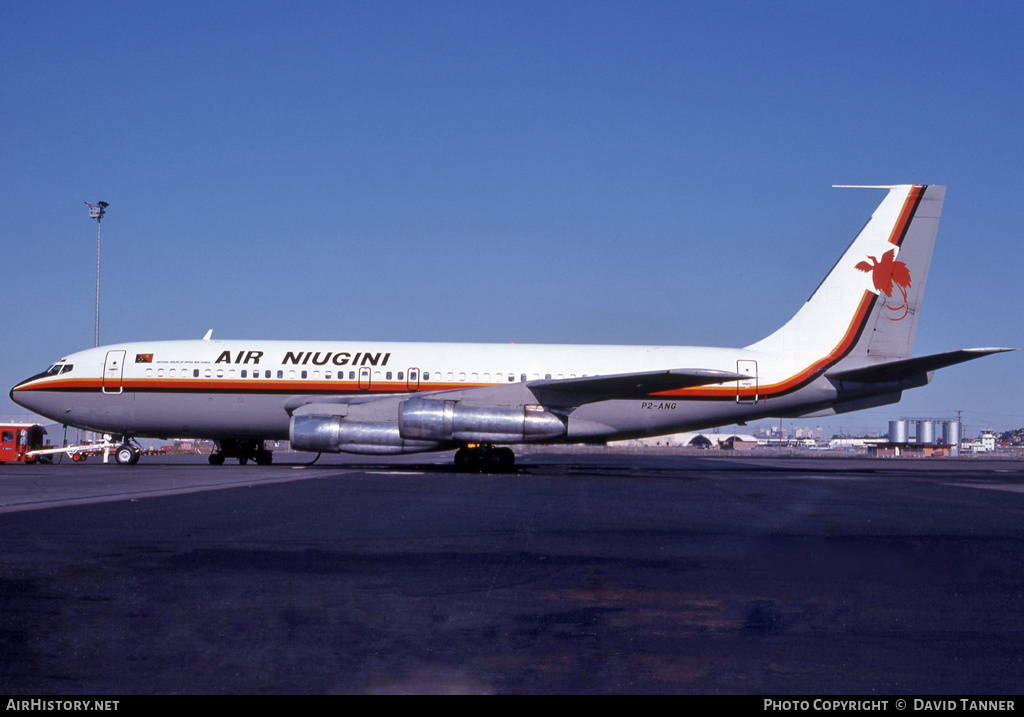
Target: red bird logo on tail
(885, 275)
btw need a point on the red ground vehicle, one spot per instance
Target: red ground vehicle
(17, 439)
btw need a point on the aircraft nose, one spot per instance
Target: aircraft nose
(23, 397)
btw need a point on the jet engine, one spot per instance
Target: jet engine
(421, 419)
(333, 434)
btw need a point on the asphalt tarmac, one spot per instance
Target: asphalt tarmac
(572, 574)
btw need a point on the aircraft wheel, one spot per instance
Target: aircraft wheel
(126, 455)
(467, 459)
(264, 458)
(216, 459)
(500, 459)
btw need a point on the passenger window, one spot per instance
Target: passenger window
(195, 373)
(511, 378)
(304, 374)
(244, 374)
(426, 376)
(388, 376)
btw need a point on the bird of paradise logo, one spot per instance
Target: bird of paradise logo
(888, 274)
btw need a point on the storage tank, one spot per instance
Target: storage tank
(898, 431)
(926, 433)
(951, 436)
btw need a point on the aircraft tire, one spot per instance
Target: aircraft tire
(500, 459)
(467, 459)
(126, 455)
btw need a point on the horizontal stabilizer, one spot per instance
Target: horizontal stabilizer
(906, 368)
(635, 385)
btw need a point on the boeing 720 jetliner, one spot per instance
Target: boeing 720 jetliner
(847, 348)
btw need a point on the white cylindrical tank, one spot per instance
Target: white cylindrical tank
(951, 436)
(926, 433)
(898, 431)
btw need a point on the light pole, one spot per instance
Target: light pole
(96, 212)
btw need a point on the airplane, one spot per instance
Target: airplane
(848, 348)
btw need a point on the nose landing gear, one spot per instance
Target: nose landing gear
(127, 454)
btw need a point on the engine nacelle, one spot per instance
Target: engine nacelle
(333, 434)
(426, 419)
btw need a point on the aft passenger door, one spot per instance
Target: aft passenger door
(113, 372)
(746, 389)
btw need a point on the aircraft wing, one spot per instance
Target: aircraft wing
(630, 385)
(564, 392)
(907, 368)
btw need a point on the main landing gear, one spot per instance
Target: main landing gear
(244, 451)
(484, 458)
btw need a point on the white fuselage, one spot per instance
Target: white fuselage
(243, 388)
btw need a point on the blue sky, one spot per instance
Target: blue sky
(580, 172)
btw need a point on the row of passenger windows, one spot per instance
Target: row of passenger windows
(342, 375)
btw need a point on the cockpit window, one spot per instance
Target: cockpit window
(58, 368)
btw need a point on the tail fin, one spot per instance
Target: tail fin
(868, 305)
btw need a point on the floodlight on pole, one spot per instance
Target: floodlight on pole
(96, 212)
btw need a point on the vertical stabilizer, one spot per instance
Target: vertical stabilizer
(868, 306)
